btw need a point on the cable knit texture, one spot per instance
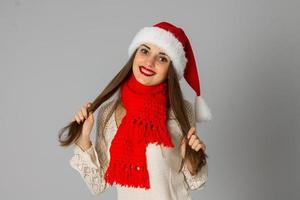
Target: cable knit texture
(144, 123)
(162, 162)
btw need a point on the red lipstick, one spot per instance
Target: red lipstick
(146, 71)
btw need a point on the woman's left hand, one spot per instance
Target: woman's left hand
(193, 141)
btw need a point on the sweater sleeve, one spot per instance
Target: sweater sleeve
(87, 162)
(197, 181)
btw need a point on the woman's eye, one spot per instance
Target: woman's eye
(164, 59)
(144, 51)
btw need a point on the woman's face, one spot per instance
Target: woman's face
(150, 64)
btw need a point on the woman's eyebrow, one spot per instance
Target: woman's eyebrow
(150, 48)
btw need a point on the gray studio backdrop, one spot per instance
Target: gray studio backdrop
(57, 55)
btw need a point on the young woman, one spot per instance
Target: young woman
(146, 141)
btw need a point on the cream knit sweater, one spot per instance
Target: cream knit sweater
(162, 163)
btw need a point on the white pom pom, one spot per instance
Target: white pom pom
(202, 111)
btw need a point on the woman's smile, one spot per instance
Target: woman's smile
(146, 71)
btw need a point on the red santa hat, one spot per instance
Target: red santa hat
(176, 44)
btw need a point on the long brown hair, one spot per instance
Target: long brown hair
(196, 159)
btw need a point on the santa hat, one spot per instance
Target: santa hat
(177, 46)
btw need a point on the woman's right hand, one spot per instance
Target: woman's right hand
(87, 118)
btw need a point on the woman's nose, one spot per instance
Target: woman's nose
(151, 61)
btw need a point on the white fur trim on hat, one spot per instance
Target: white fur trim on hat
(165, 40)
(202, 111)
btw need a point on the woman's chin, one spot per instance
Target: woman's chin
(144, 80)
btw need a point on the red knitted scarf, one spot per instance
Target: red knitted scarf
(144, 123)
